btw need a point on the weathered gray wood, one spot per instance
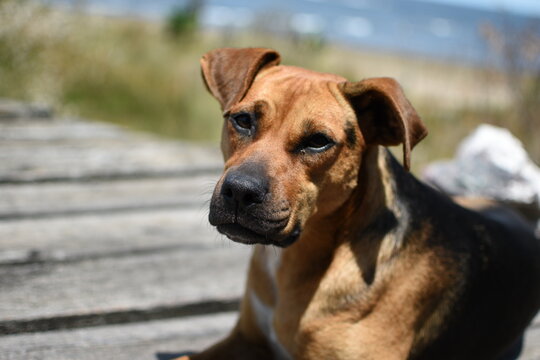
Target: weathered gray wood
(100, 160)
(146, 340)
(27, 156)
(11, 110)
(120, 342)
(144, 281)
(531, 350)
(58, 130)
(98, 235)
(73, 198)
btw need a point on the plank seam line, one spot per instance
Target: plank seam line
(69, 213)
(36, 257)
(66, 322)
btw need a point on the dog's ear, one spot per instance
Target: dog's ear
(228, 72)
(384, 114)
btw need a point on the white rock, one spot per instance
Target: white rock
(491, 163)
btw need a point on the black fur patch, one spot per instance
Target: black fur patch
(351, 134)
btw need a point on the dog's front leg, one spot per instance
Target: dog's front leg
(235, 346)
(246, 340)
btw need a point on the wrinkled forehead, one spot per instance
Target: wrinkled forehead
(287, 91)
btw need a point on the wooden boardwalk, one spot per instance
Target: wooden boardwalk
(105, 250)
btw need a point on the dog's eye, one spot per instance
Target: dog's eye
(318, 142)
(242, 121)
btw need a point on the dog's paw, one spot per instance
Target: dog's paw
(175, 356)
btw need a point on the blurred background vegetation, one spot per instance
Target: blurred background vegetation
(145, 74)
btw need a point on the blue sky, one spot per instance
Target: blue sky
(525, 7)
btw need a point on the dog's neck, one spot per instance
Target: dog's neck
(372, 207)
(368, 216)
(375, 192)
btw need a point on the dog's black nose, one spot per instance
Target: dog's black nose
(243, 189)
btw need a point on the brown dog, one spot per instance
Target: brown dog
(366, 262)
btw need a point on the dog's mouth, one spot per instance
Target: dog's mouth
(243, 235)
(246, 211)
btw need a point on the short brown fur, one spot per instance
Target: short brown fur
(379, 266)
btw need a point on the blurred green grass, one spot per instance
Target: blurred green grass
(134, 73)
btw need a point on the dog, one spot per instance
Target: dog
(354, 258)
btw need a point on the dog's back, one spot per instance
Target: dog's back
(497, 253)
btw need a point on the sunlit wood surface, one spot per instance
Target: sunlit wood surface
(105, 250)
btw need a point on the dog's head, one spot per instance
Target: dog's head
(293, 140)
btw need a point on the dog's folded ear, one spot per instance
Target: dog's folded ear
(384, 114)
(229, 72)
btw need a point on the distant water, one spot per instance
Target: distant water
(418, 27)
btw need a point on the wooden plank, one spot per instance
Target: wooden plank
(531, 350)
(53, 162)
(110, 285)
(57, 130)
(73, 198)
(146, 340)
(106, 235)
(120, 342)
(27, 156)
(13, 110)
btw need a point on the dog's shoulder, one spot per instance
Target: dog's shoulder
(491, 253)
(482, 238)
(460, 219)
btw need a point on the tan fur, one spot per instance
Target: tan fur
(340, 291)
(318, 279)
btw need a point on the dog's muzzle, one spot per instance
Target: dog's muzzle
(243, 209)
